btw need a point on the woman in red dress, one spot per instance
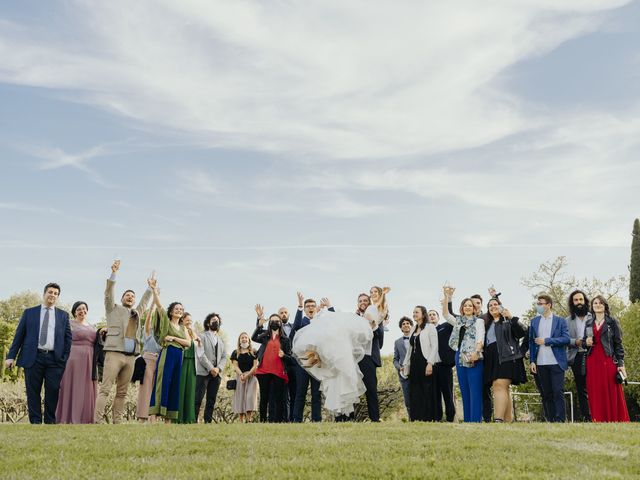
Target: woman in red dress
(603, 337)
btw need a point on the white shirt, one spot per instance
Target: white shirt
(51, 330)
(580, 324)
(545, 353)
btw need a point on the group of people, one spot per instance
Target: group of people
(488, 350)
(335, 354)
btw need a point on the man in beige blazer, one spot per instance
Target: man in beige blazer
(121, 344)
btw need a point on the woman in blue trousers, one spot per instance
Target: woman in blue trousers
(467, 339)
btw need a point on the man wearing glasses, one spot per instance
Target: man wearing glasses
(548, 339)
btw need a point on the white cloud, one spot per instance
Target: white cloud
(331, 79)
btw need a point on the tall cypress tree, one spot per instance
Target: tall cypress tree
(634, 267)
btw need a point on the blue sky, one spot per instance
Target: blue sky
(246, 150)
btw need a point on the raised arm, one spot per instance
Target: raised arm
(445, 309)
(152, 283)
(109, 297)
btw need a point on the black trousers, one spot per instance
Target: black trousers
(581, 386)
(47, 370)
(487, 403)
(288, 399)
(370, 379)
(422, 395)
(444, 392)
(210, 385)
(551, 381)
(271, 391)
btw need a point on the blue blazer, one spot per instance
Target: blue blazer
(25, 342)
(558, 340)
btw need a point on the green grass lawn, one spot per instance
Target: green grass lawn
(336, 451)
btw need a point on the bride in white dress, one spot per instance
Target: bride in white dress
(329, 349)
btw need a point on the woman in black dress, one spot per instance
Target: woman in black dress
(503, 364)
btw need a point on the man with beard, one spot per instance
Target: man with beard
(210, 366)
(370, 363)
(121, 344)
(576, 354)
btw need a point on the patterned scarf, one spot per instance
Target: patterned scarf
(469, 339)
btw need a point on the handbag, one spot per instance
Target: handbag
(621, 378)
(231, 384)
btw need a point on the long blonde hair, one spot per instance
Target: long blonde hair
(382, 301)
(250, 348)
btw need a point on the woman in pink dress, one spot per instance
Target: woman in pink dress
(77, 398)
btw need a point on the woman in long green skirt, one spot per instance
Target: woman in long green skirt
(187, 402)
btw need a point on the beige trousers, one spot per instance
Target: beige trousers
(144, 393)
(118, 369)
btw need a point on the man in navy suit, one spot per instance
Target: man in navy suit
(370, 363)
(399, 352)
(302, 377)
(42, 344)
(548, 340)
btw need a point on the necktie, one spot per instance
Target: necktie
(44, 330)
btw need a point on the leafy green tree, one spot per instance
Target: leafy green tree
(551, 278)
(634, 266)
(10, 312)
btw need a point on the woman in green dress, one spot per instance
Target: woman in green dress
(187, 402)
(174, 338)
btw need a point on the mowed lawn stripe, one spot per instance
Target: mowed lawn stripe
(336, 451)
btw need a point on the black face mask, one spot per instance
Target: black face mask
(214, 326)
(274, 326)
(581, 310)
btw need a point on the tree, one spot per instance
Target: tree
(634, 266)
(10, 313)
(552, 279)
(630, 323)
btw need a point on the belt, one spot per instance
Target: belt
(45, 351)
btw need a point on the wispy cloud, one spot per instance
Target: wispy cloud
(331, 79)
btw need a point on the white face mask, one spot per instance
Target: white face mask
(244, 344)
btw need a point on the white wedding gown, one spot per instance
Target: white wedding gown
(341, 340)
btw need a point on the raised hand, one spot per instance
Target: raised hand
(386, 290)
(259, 311)
(326, 302)
(115, 266)
(300, 299)
(492, 292)
(152, 281)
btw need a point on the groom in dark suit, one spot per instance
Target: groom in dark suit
(42, 344)
(370, 363)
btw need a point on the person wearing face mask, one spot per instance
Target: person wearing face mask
(121, 344)
(548, 340)
(211, 359)
(289, 398)
(245, 364)
(577, 352)
(273, 355)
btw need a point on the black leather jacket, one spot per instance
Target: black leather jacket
(611, 338)
(508, 332)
